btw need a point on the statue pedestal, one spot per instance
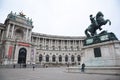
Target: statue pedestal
(104, 54)
(104, 36)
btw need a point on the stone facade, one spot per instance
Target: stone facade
(20, 45)
(2, 30)
(57, 49)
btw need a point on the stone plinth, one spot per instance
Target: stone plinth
(104, 36)
(102, 54)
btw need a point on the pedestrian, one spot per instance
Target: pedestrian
(33, 67)
(83, 67)
(14, 66)
(25, 65)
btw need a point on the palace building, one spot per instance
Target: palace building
(19, 45)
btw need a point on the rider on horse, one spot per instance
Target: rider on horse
(96, 24)
(92, 19)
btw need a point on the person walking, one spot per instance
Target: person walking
(33, 67)
(83, 67)
(14, 66)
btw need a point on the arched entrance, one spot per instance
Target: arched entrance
(22, 56)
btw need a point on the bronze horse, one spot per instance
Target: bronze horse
(92, 28)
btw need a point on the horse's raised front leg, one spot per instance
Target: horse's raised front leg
(108, 21)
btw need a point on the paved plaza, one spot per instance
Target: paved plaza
(50, 74)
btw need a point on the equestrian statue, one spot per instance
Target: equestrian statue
(96, 23)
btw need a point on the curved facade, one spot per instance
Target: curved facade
(57, 49)
(21, 45)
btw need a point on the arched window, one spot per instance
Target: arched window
(53, 58)
(47, 58)
(19, 34)
(40, 57)
(71, 48)
(66, 58)
(60, 58)
(72, 58)
(78, 58)
(65, 47)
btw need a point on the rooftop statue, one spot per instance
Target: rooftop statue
(21, 17)
(21, 14)
(96, 23)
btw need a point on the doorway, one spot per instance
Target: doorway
(22, 56)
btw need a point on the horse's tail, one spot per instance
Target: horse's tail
(108, 21)
(86, 33)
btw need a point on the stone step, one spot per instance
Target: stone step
(95, 70)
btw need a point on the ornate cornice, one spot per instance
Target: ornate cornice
(34, 34)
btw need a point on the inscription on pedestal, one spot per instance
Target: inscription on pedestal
(100, 38)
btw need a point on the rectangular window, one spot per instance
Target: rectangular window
(59, 42)
(41, 40)
(97, 52)
(46, 47)
(59, 48)
(47, 41)
(71, 42)
(65, 47)
(65, 42)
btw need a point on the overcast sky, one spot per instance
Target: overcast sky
(64, 17)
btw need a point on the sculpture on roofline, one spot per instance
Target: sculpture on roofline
(96, 23)
(21, 14)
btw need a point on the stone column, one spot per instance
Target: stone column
(55, 44)
(0, 31)
(30, 35)
(31, 39)
(26, 34)
(8, 29)
(62, 45)
(81, 44)
(50, 44)
(69, 44)
(39, 40)
(12, 30)
(76, 58)
(50, 58)
(2, 34)
(43, 43)
(73, 42)
(44, 59)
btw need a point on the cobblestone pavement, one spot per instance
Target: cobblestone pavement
(50, 74)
